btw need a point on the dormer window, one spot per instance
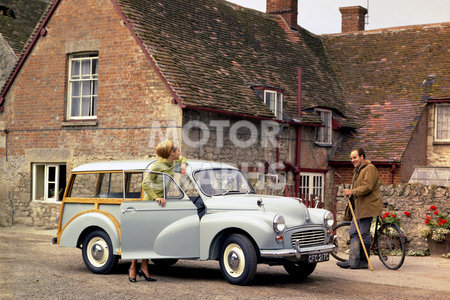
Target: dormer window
(324, 134)
(273, 98)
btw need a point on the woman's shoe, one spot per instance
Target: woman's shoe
(142, 274)
(131, 279)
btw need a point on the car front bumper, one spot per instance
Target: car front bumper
(297, 252)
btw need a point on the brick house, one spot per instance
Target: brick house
(149, 69)
(396, 81)
(109, 79)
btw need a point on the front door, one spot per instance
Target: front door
(151, 231)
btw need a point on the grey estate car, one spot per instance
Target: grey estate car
(212, 213)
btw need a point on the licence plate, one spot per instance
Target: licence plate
(314, 258)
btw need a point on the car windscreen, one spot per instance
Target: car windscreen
(215, 182)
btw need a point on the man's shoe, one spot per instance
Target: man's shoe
(343, 264)
(361, 265)
(353, 258)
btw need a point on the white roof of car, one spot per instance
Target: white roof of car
(120, 165)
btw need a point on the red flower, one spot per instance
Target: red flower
(436, 212)
(394, 215)
(407, 213)
(428, 218)
(427, 221)
(432, 207)
(444, 221)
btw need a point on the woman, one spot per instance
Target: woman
(168, 157)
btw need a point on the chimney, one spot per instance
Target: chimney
(353, 18)
(288, 9)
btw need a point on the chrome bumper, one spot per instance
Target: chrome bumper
(297, 252)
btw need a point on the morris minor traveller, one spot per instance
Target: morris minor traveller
(211, 213)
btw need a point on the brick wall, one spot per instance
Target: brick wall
(353, 18)
(130, 95)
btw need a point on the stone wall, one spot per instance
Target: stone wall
(45, 215)
(414, 198)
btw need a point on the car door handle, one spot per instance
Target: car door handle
(128, 209)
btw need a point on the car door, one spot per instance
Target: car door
(151, 231)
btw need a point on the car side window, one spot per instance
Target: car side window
(172, 190)
(163, 185)
(133, 185)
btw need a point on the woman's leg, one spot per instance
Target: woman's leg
(144, 267)
(133, 269)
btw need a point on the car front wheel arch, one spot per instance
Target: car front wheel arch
(216, 244)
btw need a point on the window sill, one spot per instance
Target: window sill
(441, 142)
(324, 144)
(77, 123)
(47, 201)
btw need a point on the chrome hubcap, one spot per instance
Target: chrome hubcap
(233, 261)
(98, 252)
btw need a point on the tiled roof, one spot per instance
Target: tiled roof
(211, 52)
(16, 31)
(385, 77)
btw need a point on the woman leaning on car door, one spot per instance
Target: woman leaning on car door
(168, 156)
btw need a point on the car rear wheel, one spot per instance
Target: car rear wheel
(299, 269)
(98, 253)
(238, 259)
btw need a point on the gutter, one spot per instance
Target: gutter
(41, 32)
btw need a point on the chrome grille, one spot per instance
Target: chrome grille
(308, 238)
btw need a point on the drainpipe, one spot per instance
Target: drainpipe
(391, 173)
(299, 134)
(6, 143)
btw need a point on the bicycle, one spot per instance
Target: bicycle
(388, 242)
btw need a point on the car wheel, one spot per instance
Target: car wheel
(98, 253)
(167, 262)
(238, 259)
(299, 269)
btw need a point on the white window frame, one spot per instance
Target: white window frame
(442, 122)
(324, 134)
(312, 184)
(92, 77)
(46, 182)
(277, 105)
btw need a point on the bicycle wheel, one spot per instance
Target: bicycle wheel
(391, 246)
(341, 241)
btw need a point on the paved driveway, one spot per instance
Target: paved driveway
(31, 267)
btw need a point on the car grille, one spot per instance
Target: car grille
(308, 238)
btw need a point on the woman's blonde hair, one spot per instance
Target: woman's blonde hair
(164, 148)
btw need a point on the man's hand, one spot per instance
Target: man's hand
(161, 201)
(347, 192)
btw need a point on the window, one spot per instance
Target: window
(311, 184)
(323, 134)
(49, 182)
(82, 86)
(442, 123)
(107, 185)
(274, 100)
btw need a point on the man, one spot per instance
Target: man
(368, 204)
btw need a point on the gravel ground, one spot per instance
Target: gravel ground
(31, 267)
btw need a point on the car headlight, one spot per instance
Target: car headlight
(328, 219)
(279, 224)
